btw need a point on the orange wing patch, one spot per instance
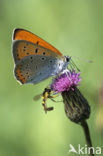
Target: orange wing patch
(24, 48)
(19, 75)
(20, 34)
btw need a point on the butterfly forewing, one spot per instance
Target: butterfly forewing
(21, 34)
(35, 59)
(23, 48)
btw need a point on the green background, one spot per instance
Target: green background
(75, 27)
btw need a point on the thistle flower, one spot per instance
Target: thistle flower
(66, 81)
(76, 106)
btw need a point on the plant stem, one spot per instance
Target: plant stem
(87, 136)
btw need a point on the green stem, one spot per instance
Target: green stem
(87, 136)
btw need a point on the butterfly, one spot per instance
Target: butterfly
(35, 59)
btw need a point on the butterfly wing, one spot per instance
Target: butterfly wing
(22, 48)
(35, 59)
(21, 34)
(33, 69)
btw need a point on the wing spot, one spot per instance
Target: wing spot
(31, 57)
(24, 47)
(43, 53)
(42, 58)
(24, 50)
(51, 61)
(37, 42)
(36, 50)
(27, 53)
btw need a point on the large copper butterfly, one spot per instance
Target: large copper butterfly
(35, 59)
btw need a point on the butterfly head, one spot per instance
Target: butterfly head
(67, 61)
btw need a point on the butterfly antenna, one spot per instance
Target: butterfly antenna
(73, 65)
(88, 61)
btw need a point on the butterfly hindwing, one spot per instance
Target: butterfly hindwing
(33, 69)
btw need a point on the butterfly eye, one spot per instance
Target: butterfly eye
(68, 58)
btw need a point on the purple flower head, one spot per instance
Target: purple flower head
(66, 81)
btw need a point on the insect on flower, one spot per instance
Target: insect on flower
(66, 84)
(65, 81)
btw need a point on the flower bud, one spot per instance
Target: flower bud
(76, 106)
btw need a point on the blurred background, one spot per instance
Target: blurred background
(76, 29)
